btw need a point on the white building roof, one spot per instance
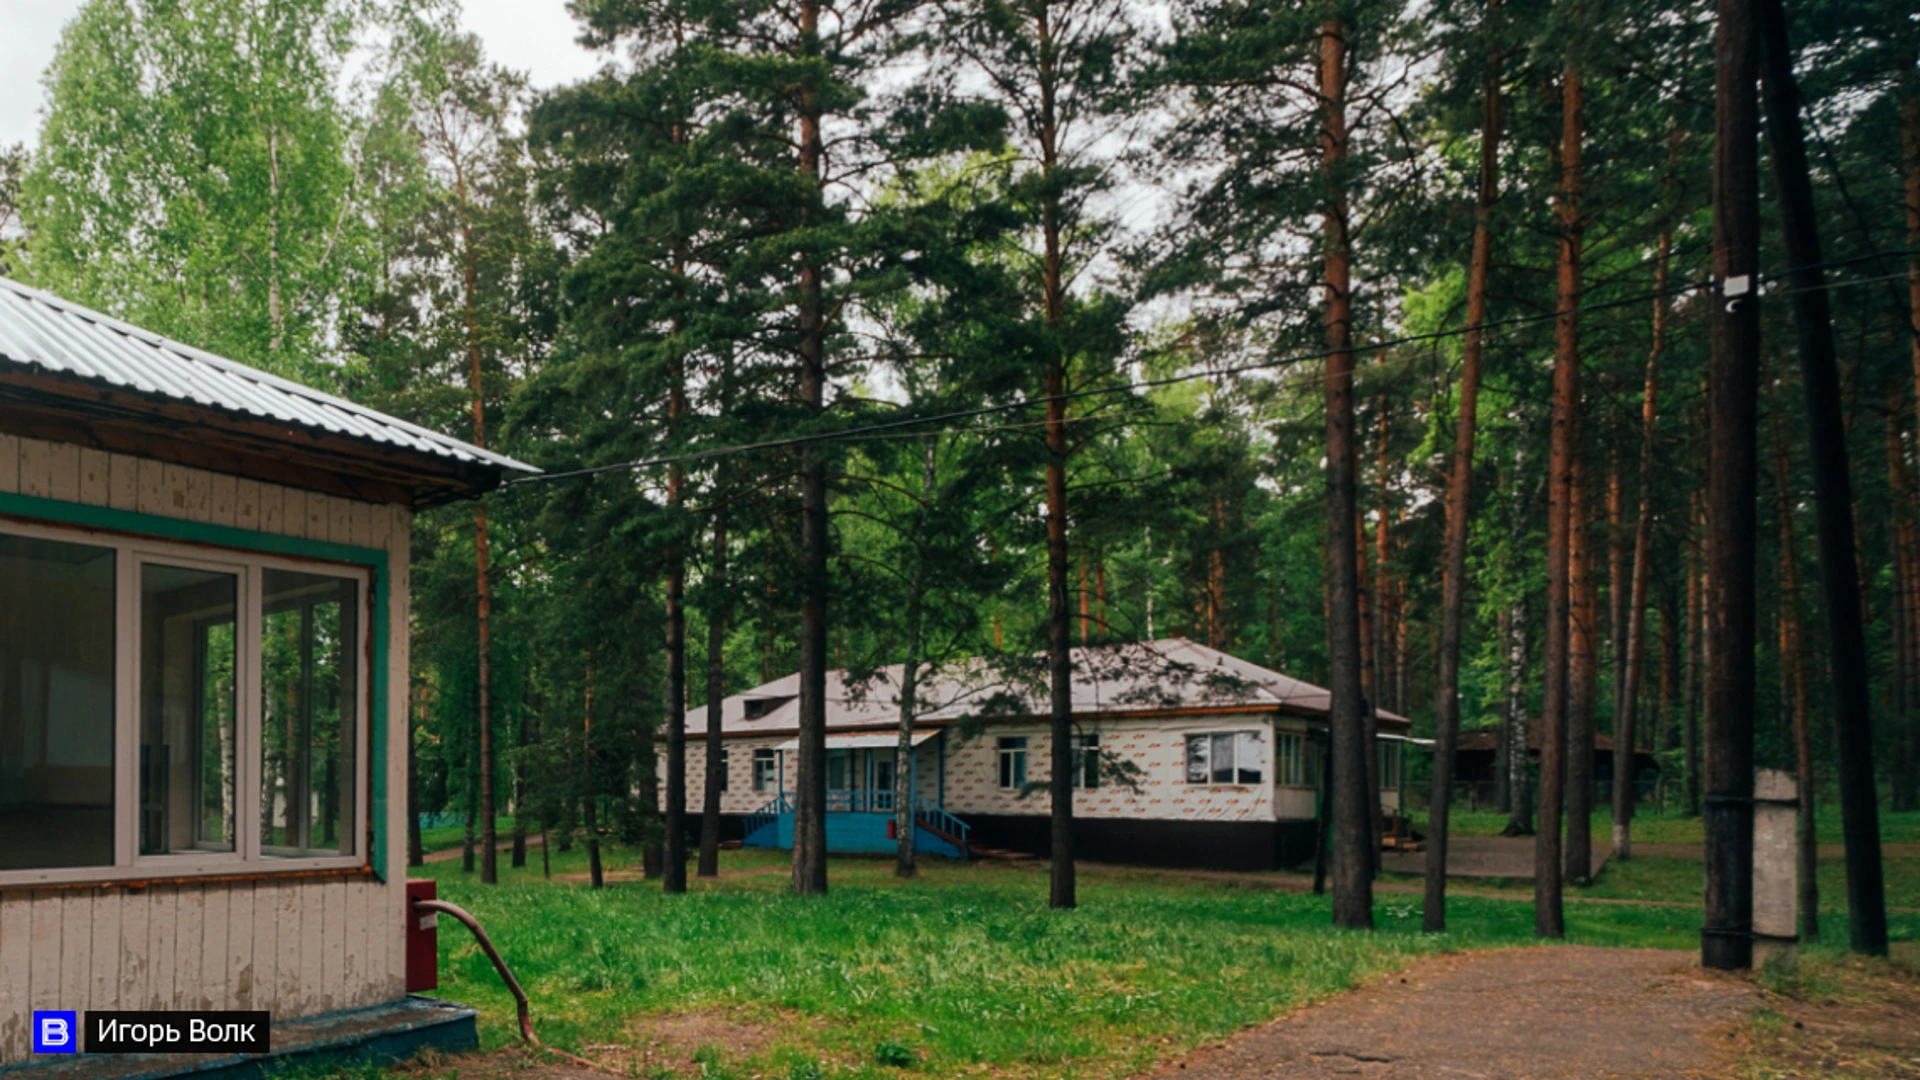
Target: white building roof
(40, 330)
(1149, 678)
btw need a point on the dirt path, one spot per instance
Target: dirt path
(534, 840)
(1515, 1014)
(1484, 857)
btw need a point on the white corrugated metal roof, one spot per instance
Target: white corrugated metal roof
(1151, 677)
(41, 330)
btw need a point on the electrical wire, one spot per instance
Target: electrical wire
(876, 429)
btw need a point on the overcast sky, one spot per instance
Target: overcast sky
(534, 36)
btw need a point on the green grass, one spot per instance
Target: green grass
(451, 836)
(965, 967)
(1651, 826)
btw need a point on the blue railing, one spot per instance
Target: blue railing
(935, 817)
(926, 813)
(769, 814)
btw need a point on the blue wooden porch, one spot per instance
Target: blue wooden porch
(865, 780)
(862, 822)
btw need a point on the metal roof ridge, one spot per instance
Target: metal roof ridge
(313, 398)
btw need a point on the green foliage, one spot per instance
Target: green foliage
(199, 171)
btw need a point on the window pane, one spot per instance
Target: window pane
(1013, 761)
(1247, 758)
(1223, 759)
(56, 704)
(1086, 761)
(309, 679)
(1197, 759)
(187, 687)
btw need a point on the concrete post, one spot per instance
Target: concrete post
(1776, 867)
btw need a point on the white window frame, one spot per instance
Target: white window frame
(130, 553)
(1237, 737)
(771, 760)
(1017, 748)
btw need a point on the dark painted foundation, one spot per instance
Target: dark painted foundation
(732, 827)
(378, 1035)
(1185, 845)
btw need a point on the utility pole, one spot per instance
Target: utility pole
(1726, 938)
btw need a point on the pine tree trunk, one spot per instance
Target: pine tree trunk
(489, 856)
(716, 767)
(520, 793)
(467, 845)
(1379, 631)
(1583, 685)
(1618, 549)
(416, 855)
(1696, 648)
(1668, 735)
(589, 795)
(1061, 883)
(1625, 720)
(1518, 722)
(674, 880)
(1827, 451)
(1548, 918)
(1352, 861)
(1519, 706)
(1369, 688)
(1502, 782)
(810, 781)
(1459, 505)
(1906, 784)
(1907, 792)
(904, 788)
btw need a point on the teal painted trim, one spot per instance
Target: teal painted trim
(199, 532)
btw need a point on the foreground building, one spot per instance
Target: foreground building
(203, 679)
(1188, 757)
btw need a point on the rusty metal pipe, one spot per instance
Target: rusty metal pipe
(506, 976)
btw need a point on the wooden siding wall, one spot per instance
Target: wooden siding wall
(293, 946)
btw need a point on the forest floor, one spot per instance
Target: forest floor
(963, 971)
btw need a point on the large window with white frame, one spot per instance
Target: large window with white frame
(1013, 762)
(1224, 757)
(170, 709)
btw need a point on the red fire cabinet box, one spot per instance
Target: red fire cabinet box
(423, 938)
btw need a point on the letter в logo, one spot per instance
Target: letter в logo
(55, 1031)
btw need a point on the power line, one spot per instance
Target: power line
(853, 433)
